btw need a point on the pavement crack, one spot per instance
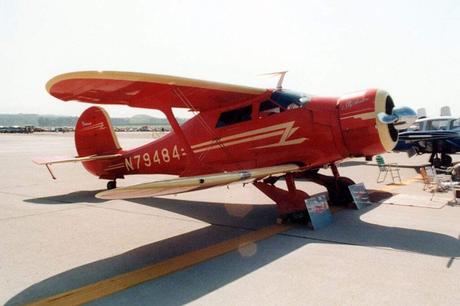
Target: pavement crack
(355, 244)
(39, 214)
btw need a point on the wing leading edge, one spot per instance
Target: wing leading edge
(416, 136)
(193, 183)
(144, 90)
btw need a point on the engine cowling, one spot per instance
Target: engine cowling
(363, 133)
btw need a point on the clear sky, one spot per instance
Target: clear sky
(409, 48)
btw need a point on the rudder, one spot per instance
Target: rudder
(94, 133)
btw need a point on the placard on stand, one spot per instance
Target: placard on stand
(360, 195)
(318, 211)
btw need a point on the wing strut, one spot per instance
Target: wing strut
(193, 161)
(50, 171)
(182, 97)
(179, 94)
(177, 129)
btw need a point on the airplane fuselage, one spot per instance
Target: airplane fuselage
(276, 128)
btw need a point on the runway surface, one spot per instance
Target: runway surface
(59, 244)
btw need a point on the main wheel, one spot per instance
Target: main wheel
(436, 162)
(339, 194)
(111, 184)
(446, 160)
(300, 217)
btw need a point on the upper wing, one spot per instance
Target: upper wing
(192, 183)
(146, 90)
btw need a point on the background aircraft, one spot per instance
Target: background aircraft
(240, 134)
(439, 136)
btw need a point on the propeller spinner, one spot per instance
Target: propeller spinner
(401, 117)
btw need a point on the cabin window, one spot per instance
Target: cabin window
(415, 127)
(438, 125)
(456, 124)
(234, 116)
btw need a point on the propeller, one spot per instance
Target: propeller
(401, 117)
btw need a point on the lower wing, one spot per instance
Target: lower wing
(193, 183)
(428, 135)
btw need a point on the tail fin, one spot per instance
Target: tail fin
(94, 133)
(445, 111)
(421, 113)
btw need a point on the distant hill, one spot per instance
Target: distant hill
(70, 121)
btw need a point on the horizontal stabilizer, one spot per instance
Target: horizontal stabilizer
(192, 183)
(70, 159)
(47, 161)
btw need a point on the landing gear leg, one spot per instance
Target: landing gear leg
(336, 185)
(435, 160)
(111, 184)
(290, 203)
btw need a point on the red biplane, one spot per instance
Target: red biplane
(239, 134)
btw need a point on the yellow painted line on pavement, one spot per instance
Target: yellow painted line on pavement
(123, 281)
(406, 182)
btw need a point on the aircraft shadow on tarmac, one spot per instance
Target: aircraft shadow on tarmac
(227, 222)
(73, 197)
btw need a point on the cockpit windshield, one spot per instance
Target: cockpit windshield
(289, 99)
(442, 124)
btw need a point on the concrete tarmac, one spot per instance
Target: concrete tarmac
(55, 236)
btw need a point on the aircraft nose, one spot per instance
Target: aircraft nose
(401, 117)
